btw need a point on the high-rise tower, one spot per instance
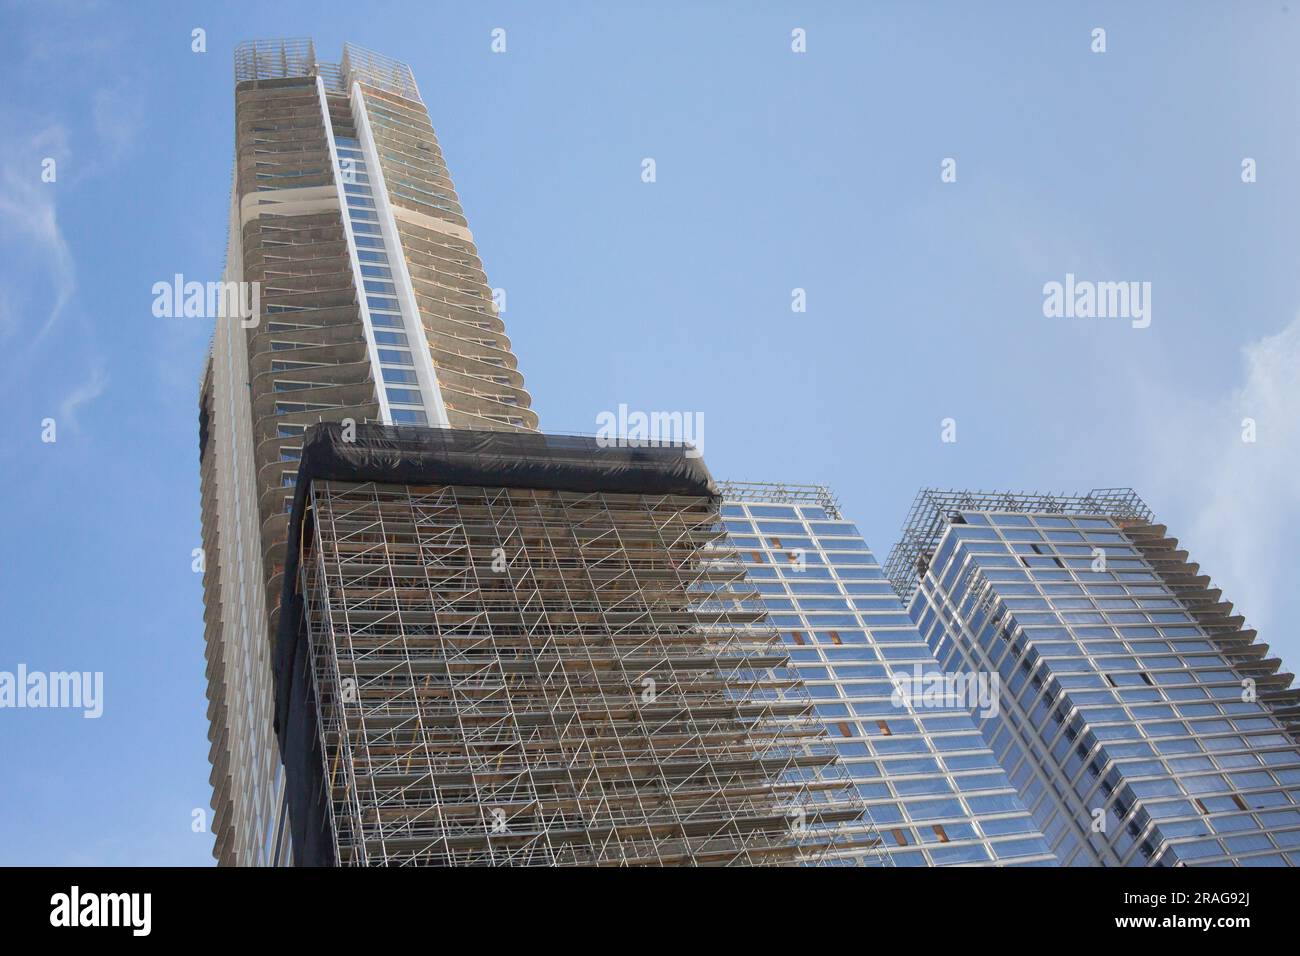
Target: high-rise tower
(373, 307)
(1139, 718)
(429, 641)
(934, 794)
(530, 649)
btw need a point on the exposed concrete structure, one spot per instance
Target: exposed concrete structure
(373, 307)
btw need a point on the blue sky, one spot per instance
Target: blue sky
(775, 171)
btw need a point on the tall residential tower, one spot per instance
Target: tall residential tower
(435, 635)
(934, 794)
(373, 307)
(1140, 720)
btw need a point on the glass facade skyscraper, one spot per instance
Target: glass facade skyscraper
(1139, 720)
(934, 792)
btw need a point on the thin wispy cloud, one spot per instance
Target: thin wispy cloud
(1242, 494)
(82, 394)
(116, 115)
(33, 242)
(89, 131)
(109, 90)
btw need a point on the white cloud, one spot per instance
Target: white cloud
(117, 115)
(32, 237)
(85, 392)
(1242, 498)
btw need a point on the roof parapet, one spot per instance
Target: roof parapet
(933, 508)
(285, 58)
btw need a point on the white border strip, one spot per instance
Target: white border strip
(384, 412)
(422, 353)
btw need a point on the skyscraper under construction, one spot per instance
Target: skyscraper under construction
(374, 307)
(451, 643)
(436, 635)
(533, 650)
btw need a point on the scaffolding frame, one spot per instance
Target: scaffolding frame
(290, 57)
(513, 676)
(780, 493)
(934, 508)
(275, 59)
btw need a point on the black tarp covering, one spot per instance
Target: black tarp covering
(407, 455)
(402, 455)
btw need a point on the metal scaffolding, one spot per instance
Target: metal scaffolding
(280, 59)
(527, 677)
(933, 508)
(274, 59)
(761, 492)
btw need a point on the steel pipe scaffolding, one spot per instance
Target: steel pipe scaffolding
(543, 676)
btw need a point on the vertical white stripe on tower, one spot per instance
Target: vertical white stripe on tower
(371, 348)
(430, 390)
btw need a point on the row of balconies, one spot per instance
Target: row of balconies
(214, 651)
(440, 253)
(304, 263)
